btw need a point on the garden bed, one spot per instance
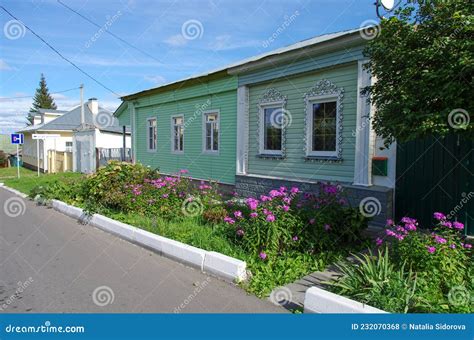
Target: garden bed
(282, 236)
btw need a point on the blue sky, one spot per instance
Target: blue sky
(225, 31)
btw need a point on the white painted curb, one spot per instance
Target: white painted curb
(16, 192)
(225, 266)
(318, 300)
(218, 264)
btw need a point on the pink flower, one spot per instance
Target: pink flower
(165, 195)
(378, 241)
(295, 238)
(253, 215)
(439, 239)
(439, 216)
(237, 214)
(282, 189)
(262, 255)
(240, 232)
(285, 208)
(446, 224)
(390, 222)
(452, 246)
(327, 227)
(458, 225)
(408, 220)
(229, 220)
(270, 218)
(311, 221)
(431, 250)
(275, 193)
(184, 171)
(466, 245)
(264, 198)
(287, 200)
(252, 203)
(294, 190)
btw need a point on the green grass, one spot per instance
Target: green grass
(28, 179)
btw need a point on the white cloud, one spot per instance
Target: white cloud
(4, 66)
(176, 40)
(156, 80)
(225, 43)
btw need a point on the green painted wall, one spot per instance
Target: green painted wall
(191, 101)
(294, 166)
(123, 116)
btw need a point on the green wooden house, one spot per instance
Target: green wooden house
(293, 116)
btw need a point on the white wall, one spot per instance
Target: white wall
(110, 140)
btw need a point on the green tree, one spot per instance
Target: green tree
(41, 100)
(423, 61)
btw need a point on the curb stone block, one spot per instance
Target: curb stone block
(183, 252)
(225, 266)
(149, 240)
(116, 227)
(318, 300)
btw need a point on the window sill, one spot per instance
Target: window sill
(270, 156)
(329, 159)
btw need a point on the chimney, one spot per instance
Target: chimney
(93, 105)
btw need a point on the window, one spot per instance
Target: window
(323, 128)
(211, 132)
(271, 129)
(178, 134)
(68, 146)
(151, 133)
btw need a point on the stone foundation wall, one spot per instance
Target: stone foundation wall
(375, 201)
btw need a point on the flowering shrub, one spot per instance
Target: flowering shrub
(288, 220)
(430, 270)
(442, 252)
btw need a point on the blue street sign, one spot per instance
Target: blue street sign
(17, 138)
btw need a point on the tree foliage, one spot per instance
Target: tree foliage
(423, 61)
(42, 99)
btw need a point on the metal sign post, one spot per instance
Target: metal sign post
(18, 139)
(42, 137)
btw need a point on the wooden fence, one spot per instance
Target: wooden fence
(59, 161)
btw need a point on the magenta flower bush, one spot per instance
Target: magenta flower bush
(286, 220)
(440, 253)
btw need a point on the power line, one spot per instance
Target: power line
(59, 53)
(109, 32)
(22, 97)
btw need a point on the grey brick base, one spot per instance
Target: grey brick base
(377, 200)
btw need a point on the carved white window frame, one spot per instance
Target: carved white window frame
(324, 91)
(272, 98)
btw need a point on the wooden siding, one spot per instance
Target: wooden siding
(191, 102)
(294, 166)
(305, 63)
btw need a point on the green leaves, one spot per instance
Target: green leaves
(423, 61)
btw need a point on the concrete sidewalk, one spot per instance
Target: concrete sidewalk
(49, 263)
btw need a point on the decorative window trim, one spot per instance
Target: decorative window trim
(178, 152)
(323, 91)
(204, 122)
(148, 120)
(270, 99)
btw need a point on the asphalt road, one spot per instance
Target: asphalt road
(49, 263)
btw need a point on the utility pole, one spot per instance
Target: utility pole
(82, 106)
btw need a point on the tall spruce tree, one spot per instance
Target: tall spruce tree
(41, 100)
